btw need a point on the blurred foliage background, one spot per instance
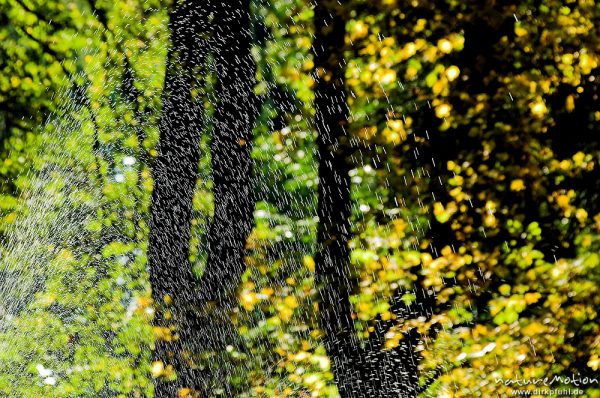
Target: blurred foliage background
(472, 122)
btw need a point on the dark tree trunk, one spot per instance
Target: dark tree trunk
(361, 369)
(235, 113)
(233, 190)
(175, 172)
(198, 311)
(332, 260)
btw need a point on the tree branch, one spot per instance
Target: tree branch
(436, 374)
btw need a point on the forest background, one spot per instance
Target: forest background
(472, 158)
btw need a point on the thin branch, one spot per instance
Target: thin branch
(30, 10)
(436, 374)
(49, 50)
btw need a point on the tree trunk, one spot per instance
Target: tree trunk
(332, 260)
(175, 172)
(233, 189)
(198, 311)
(361, 369)
(235, 113)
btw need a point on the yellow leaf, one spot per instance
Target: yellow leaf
(581, 215)
(578, 158)
(443, 110)
(452, 72)
(531, 298)
(570, 103)
(445, 46)
(563, 201)
(597, 220)
(594, 362)
(520, 32)
(309, 263)
(186, 393)
(517, 185)
(248, 299)
(359, 30)
(157, 369)
(538, 108)
(291, 302)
